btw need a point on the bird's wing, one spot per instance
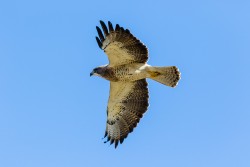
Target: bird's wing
(128, 101)
(120, 45)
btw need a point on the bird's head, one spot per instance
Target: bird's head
(98, 71)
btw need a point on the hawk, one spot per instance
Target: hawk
(127, 72)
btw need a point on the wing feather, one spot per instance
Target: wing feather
(98, 42)
(99, 31)
(117, 27)
(110, 26)
(104, 27)
(127, 104)
(121, 46)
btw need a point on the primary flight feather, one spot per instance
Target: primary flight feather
(127, 72)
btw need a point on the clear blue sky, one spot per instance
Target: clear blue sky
(53, 114)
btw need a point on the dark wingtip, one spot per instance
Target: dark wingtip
(110, 26)
(104, 27)
(121, 140)
(127, 31)
(99, 31)
(105, 135)
(112, 141)
(116, 143)
(117, 27)
(98, 42)
(107, 140)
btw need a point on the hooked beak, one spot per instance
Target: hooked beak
(92, 73)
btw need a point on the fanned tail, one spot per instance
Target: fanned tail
(166, 75)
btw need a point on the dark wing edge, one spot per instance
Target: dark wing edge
(119, 34)
(131, 110)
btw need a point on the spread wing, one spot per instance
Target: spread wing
(127, 103)
(120, 45)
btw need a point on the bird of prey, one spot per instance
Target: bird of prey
(127, 72)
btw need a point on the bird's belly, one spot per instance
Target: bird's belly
(132, 72)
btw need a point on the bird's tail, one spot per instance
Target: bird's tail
(166, 75)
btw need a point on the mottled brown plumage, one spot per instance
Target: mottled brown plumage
(127, 72)
(127, 103)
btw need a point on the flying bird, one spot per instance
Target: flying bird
(127, 72)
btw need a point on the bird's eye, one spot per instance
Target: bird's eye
(96, 70)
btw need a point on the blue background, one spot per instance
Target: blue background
(53, 114)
